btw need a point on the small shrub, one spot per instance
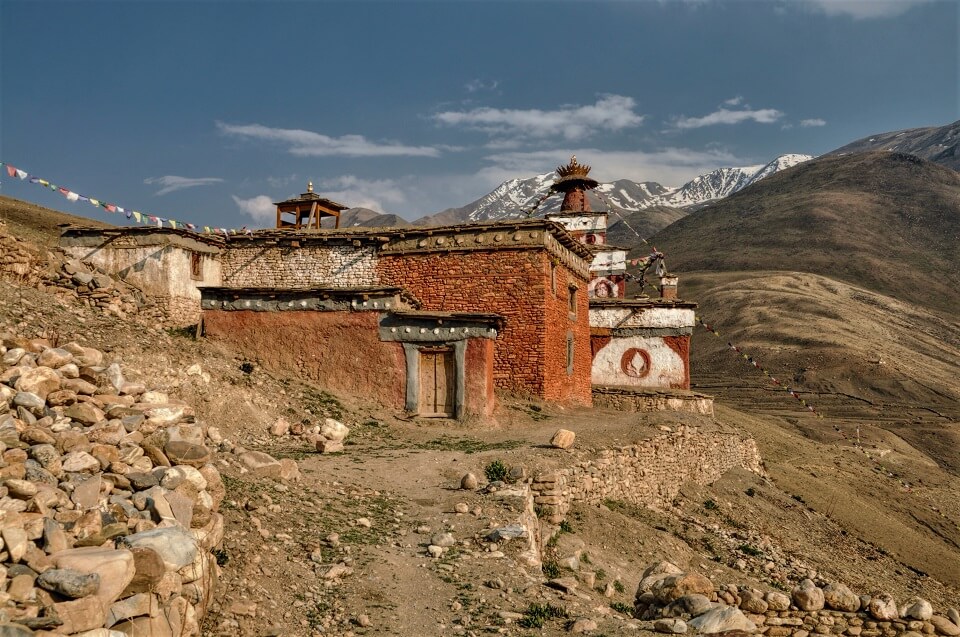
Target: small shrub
(585, 558)
(750, 550)
(221, 556)
(621, 607)
(751, 492)
(565, 527)
(710, 505)
(601, 574)
(551, 570)
(618, 586)
(496, 471)
(537, 615)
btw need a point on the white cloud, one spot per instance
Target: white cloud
(734, 101)
(306, 143)
(864, 9)
(480, 85)
(727, 116)
(668, 166)
(173, 183)
(382, 195)
(260, 208)
(609, 113)
(809, 123)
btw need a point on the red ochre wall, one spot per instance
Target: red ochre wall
(478, 374)
(339, 350)
(530, 351)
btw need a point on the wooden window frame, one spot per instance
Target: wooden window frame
(196, 266)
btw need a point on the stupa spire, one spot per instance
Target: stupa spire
(573, 181)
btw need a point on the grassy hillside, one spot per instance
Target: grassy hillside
(38, 224)
(645, 222)
(884, 221)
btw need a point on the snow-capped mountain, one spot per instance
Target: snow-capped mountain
(940, 144)
(516, 197)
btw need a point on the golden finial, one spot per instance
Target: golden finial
(309, 186)
(574, 168)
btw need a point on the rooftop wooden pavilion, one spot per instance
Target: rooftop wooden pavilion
(307, 211)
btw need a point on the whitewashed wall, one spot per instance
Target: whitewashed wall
(651, 364)
(654, 317)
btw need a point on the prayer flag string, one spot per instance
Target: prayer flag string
(134, 216)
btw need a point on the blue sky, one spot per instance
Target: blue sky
(208, 111)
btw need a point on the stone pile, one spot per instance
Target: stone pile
(108, 500)
(17, 263)
(73, 280)
(95, 289)
(678, 602)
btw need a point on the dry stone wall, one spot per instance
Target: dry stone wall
(678, 602)
(339, 266)
(649, 473)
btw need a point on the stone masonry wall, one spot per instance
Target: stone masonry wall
(340, 266)
(649, 473)
(514, 284)
(818, 623)
(563, 382)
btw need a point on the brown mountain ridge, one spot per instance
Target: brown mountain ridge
(885, 221)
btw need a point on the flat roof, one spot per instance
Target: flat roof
(641, 302)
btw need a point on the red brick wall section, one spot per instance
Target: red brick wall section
(508, 282)
(339, 350)
(478, 362)
(560, 385)
(530, 353)
(681, 345)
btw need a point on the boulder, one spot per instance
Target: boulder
(752, 601)
(838, 596)
(334, 430)
(148, 570)
(54, 357)
(806, 596)
(883, 607)
(469, 482)
(69, 583)
(654, 573)
(81, 614)
(670, 626)
(721, 619)
(675, 586)
(260, 463)
(188, 453)
(563, 439)
(916, 608)
(176, 547)
(944, 626)
(38, 380)
(84, 413)
(329, 446)
(115, 568)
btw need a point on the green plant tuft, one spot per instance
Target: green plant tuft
(551, 570)
(537, 615)
(496, 471)
(621, 607)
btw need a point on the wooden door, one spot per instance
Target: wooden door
(437, 382)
